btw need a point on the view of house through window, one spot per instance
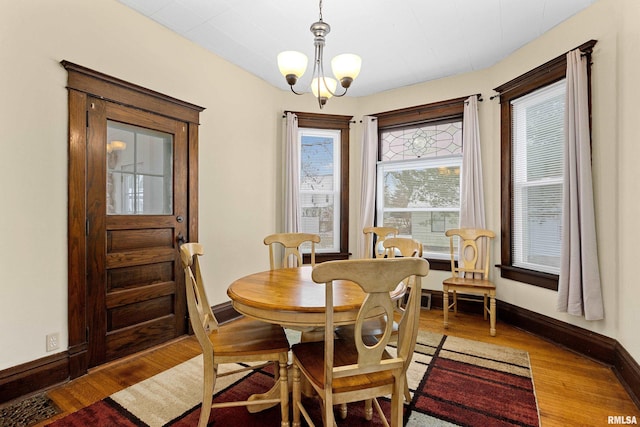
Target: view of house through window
(418, 182)
(320, 186)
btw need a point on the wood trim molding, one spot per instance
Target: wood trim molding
(442, 110)
(30, 377)
(46, 372)
(122, 92)
(82, 84)
(589, 344)
(628, 372)
(225, 312)
(342, 123)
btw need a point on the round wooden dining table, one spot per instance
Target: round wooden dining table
(289, 297)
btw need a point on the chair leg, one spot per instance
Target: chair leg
(368, 409)
(445, 307)
(343, 411)
(455, 303)
(407, 393)
(207, 390)
(492, 316)
(396, 402)
(327, 409)
(484, 307)
(284, 391)
(297, 396)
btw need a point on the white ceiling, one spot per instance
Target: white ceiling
(401, 42)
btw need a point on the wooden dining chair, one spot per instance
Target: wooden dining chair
(470, 274)
(241, 341)
(357, 368)
(374, 238)
(404, 247)
(291, 243)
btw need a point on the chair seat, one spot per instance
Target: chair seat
(247, 336)
(469, 283)
(310, 356)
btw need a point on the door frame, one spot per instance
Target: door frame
(81, 84)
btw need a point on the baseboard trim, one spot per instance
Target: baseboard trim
(224, 312)
(43, 373)
(30, 377)
(628, 372)
(589, 344)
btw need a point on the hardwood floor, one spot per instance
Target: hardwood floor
(572, 390)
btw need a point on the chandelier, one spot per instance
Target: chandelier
(346, 67)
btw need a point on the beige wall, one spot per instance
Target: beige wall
(241, 165)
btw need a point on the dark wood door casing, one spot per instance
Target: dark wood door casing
(83, 84)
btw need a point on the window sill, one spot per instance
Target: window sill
(325, 256)
(532, 277)
(439, 264)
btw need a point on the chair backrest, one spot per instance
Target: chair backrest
(474, 249)
(380, 233)
(201, 317)
(406, 246)
(377, 278)
(291, 243)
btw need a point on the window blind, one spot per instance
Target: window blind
(537, 144)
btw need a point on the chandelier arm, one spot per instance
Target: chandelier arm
(294, 91)
(321, 74)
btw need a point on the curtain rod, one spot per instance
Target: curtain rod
(586, 49)
(287, 111)
(479, 95)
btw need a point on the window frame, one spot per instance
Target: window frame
(544, 75)
(341, 123)
(334, 194)
(452, 109)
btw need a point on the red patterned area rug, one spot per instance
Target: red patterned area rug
(454, 382)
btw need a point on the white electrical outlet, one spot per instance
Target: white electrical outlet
(53, 341)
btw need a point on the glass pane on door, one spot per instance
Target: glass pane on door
(139, 170)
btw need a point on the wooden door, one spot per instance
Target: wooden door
(136, 219)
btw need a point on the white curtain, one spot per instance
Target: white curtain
(579, 291)
(292, 176)
(368, 193)
(471, 192)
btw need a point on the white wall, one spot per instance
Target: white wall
(238, 151)
(626, 116)
(241, 151)
(615, 150)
